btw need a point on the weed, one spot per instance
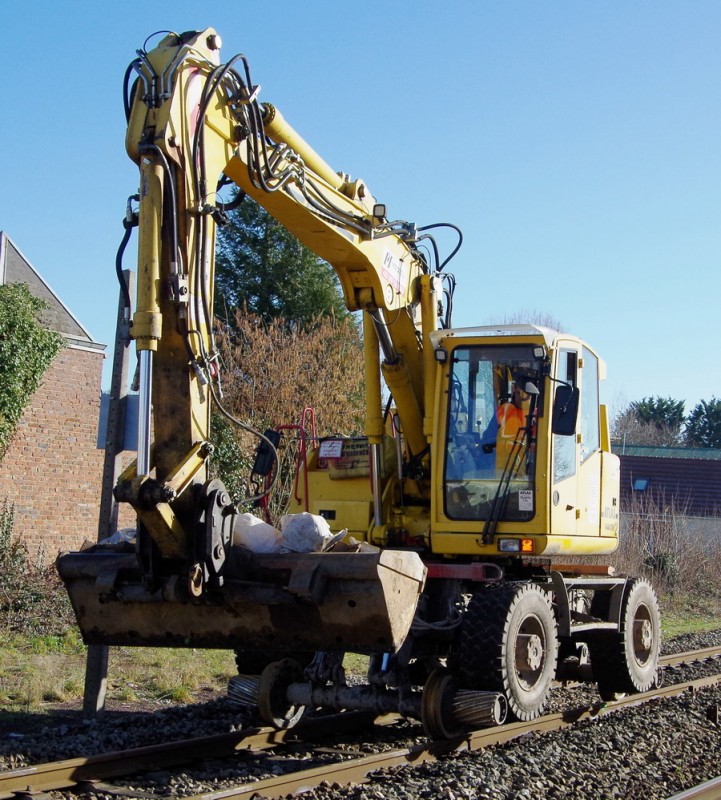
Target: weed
(676, 552)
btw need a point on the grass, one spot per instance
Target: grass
(36, 673)
(690, 612)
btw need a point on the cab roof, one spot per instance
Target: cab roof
(548, 335)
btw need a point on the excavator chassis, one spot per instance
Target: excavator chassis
(362, 602)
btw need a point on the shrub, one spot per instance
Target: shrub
(272, 371)
(32, 598)
(27, 349)
(659, 540)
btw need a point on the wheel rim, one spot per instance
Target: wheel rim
(530, 652)
(643, 638)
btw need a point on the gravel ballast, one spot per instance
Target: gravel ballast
(649, 751)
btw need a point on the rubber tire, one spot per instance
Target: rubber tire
(621, 663)
(487, 651)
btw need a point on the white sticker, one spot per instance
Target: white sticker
(525, 500)
(331, 448)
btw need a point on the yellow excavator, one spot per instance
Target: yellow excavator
(456, 523)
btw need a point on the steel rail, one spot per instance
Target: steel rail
(358, 770)
(91, 769)
(690, 657)
(710, 790)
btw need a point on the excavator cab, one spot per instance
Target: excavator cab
(517, 405)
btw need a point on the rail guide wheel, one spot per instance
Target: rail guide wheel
(508, 642)
(437, 706)
(273, 704)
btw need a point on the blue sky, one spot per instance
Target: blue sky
(577, 144)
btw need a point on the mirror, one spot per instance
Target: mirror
(565, 410)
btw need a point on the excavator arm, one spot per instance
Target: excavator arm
(190, 120)
(194, 125)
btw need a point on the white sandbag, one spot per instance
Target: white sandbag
(255, 535)
(305, 533)
(123, 536)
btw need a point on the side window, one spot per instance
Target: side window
(459, 397)
(564, 447)
(590, 424)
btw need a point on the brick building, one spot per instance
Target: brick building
(52, 470)
(689, 479)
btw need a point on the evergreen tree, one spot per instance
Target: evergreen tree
(261, 267)
(654, 421)
(703, 426)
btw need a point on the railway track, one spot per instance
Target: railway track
(91, 774)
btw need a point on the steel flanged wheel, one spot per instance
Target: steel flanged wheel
(436, 706)
(273, 686)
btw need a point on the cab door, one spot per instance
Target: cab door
(564, 453)
(589, 450)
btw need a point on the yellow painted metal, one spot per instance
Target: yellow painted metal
(398, 378)
(166, 530)
(280, 131)
(471, 544)
(346, 503)
(605, 429)
(147, 320)
(610, 480)
(163, 525)
(386, 265)
(429, 323)
(181, 477)
(378, 273)
(176, 252)
(372, 368)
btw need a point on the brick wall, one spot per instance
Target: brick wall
(52, 470)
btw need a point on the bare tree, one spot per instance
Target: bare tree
(529, 317)
(628, 427)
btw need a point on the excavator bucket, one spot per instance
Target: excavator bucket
(357, 601)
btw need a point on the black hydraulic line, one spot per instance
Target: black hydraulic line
(128, 225)
(434, 246)
(129, 92)
(234, 201)
(335, 215)
(156, 33)
(452, 227)
(450, 280)
(254, 432)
